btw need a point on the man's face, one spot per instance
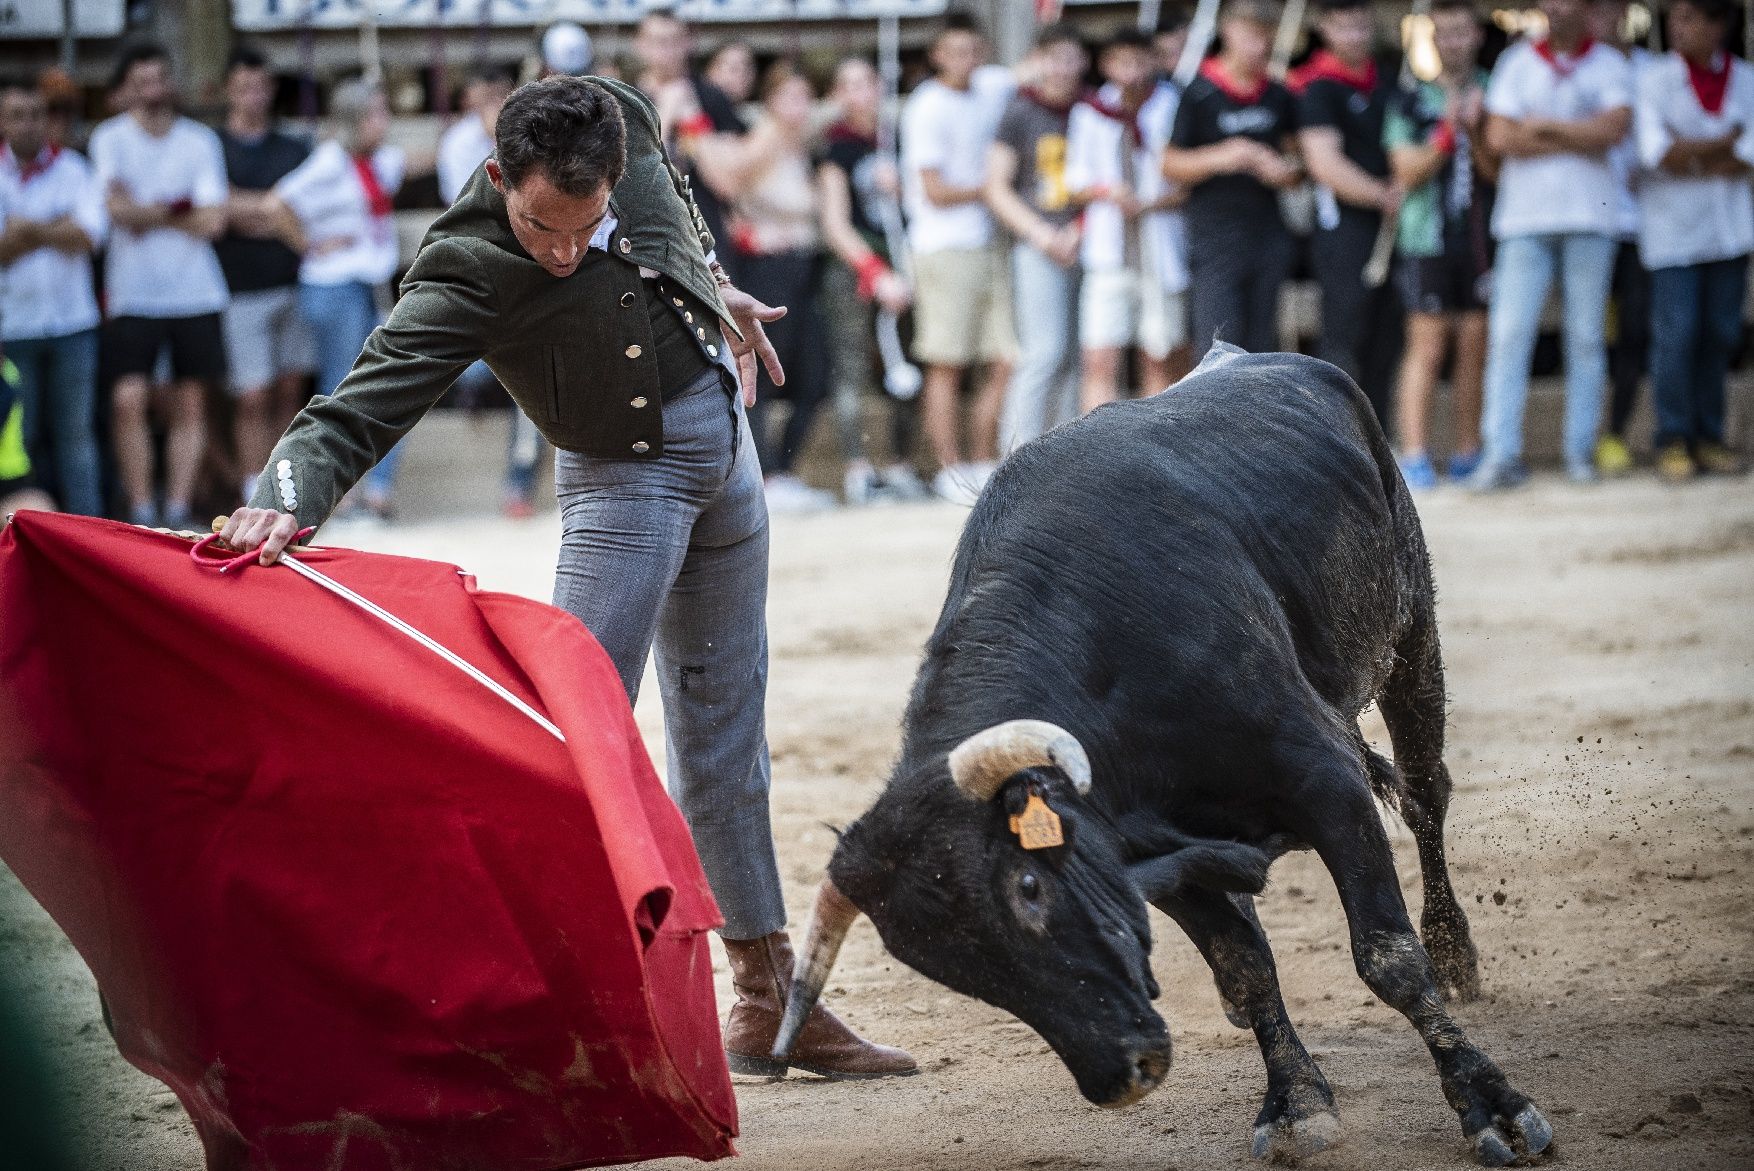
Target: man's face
(733, 71)
(249, 91)
(662, 45)
(1062, 68)
(1456, 33)
(1128, 66)
(553, 227)
(857, 89)
(1565, 18)
(1169, 47)
(147, 86)
(955, 57)
(1349, 33)
(1606, 20)
(1247, 42)
(24, 121)
(1693, 34)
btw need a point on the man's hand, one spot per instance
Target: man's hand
(250, 528)
(749, 314)
(892, 293)
(1062, 246)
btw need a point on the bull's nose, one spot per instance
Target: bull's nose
(1149, 1067)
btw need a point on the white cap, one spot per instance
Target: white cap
(566, 48)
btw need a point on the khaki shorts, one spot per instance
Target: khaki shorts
(1116, 308)
(962, 307)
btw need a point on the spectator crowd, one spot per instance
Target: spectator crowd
(1006, 250)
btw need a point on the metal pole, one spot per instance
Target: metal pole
(1149, 11)
(69, 37)
(1201, 32)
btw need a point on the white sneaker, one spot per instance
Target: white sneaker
(902, 484)
(983, 471)
(861, 483)
(787, 493)
(957, 484)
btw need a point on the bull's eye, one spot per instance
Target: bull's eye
(1030, 885)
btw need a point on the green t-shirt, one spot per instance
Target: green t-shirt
(1440, 206)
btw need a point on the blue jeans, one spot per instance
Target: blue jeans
(1696, 320)
(1044, 387)
(673, 552)
(58, 387)
(342, 317)
(1523, 273)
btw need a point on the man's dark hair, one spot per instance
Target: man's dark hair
(958, 22)
(1342, 5)
(245, 57)
(1171, 18)
(1058, 33)
(16, 81)
(1128, 37)
(569, 129)
(138, 53)
(1716, 11)
(493, 75)
(1471, 7)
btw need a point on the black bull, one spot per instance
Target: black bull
(1205, 589)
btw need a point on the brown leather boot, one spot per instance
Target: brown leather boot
(761, 972)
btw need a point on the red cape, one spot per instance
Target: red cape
(357, 911)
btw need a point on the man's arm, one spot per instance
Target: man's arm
(19, 238)
(1016, 214)
(1351, 184)
(1191, 166)
(441, 324)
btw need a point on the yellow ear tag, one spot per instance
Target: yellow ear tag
(1038, 826)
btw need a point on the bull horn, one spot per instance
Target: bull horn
(830, 920)
(986, 760)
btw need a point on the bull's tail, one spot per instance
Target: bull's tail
(1385, 779)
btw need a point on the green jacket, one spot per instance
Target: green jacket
(575, 352)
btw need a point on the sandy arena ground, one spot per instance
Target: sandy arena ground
(1601, 660)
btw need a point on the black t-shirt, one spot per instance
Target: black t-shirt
(856, 155)
(256, 164)
(722, 113)
(1230, 205)
(1357, 115)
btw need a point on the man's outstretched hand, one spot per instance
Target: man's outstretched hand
(750, 314)
(251, 528)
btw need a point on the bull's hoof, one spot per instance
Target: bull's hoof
(1521, 1139)
(1288, 1140)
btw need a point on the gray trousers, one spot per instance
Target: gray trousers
(673, 552)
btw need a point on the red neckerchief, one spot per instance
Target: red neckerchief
(1030, 94)
(847, 132)
(1564, 68)
(1119, 114)
(1710, 81)
(374, 191)
(1214, 72)
(1324, 66)
(46, 159)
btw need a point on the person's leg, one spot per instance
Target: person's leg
(996, 344)
(939, 413)
(72, 403)
(847, 324)
(712, 674)
(1725, 288)
(133, 344)
(1215, 289)
(1427, 339)
(1108, 315)
(1380, 357)
(1521, 277)
(330, 310)
(1467, 373)
(34, 361)
(799, 344)
(1629, 357)
(1586, 269)
(1676, 325)
(185, 444)
(1042, 290)
(1269, 268)
(1339, 271)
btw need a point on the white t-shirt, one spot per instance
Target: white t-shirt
(948, 130)
(1558, 192)
(1094, 141)
(47, 292)
(164, 272)
(344, 240)
(1686, 219)
(1623, 159)
(464, 147)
